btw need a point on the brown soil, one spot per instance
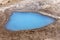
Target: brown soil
(50, 32)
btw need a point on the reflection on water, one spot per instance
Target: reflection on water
(27, 21)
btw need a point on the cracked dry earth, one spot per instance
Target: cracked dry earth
(50, 32)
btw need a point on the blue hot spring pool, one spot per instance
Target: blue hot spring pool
(27, 21)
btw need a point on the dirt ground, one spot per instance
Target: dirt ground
(50, 32)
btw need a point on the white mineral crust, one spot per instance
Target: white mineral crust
(25, 5)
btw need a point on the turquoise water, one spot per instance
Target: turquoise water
(27, 21)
